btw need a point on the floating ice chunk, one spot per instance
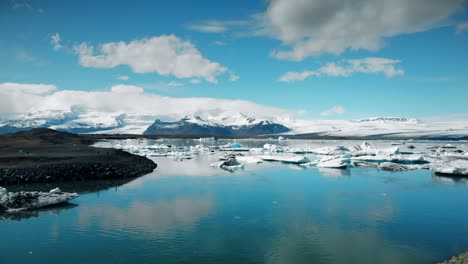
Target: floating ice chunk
(230, 164)
(335, 150)
(249, 159)
(299, 151)
(56, 190)
(233, 147)
(207, 139)
(449, 146)
(3, 193)
(389, 151)
(335, 162)
(455, 167)
(19, 201)
(390, 166)
(272, 148)
(402, 159)
(286, 159)
(366, 149)
(256, 150)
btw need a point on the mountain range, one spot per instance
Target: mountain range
(80, 120)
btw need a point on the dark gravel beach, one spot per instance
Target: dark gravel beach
(45, 155)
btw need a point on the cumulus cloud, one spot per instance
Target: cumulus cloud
(55, 40)
(123, 77)
(462, 27)
(335, 110)
(16, 97)
(165, 55)
(25, 98)
(216, 26)
(345, 68)
(195, 81)
(122, 88)
(311, 28)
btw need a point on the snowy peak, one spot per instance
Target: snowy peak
(236, 125)
(387, 120)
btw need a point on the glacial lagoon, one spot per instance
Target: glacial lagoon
(187, 211)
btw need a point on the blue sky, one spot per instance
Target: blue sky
(424, 54)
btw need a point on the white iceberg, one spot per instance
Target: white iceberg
(286, 159)
(230, 164)
(366, 149)
(454, 167)
(402, 159)
(331, 150)
(390, 166)
(20, 201)
(334, 162)
(249, 159)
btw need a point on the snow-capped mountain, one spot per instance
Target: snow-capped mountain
(235, 125)
(81, 120)
(76, 121)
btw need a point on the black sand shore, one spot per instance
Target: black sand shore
(45, 155)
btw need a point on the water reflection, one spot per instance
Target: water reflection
(158, 216)
(450, 179)
(23, 215)
(81, 187)
(332, 172)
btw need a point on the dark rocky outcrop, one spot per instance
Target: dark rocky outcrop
(45, 155)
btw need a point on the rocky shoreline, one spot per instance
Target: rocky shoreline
(46, 156)
(460, 259)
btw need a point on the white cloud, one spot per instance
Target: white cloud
(297, 76)
(462, 27)
(195, 81)
(25, 98)
(16, 97)
(233, 77)
(123, 77)
(165, 55)
(370, 65)
(312, 28)
(27, 88)
(55, 40)
(335, 110)
(216, 26)
(126, 89)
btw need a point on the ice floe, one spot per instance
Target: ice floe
(452, 167)
(332, 150)
(19, 201)
(286, 159)
(230, 164)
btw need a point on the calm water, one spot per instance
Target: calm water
(188, 212)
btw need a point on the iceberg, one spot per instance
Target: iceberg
(286, 159)
(272, 148)
(366, 149)
(20, 201)
(249, 159)
(338, 162)
(455, 167)
(390, 166)
(335, 150)
(401, 159)
(231, 164)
